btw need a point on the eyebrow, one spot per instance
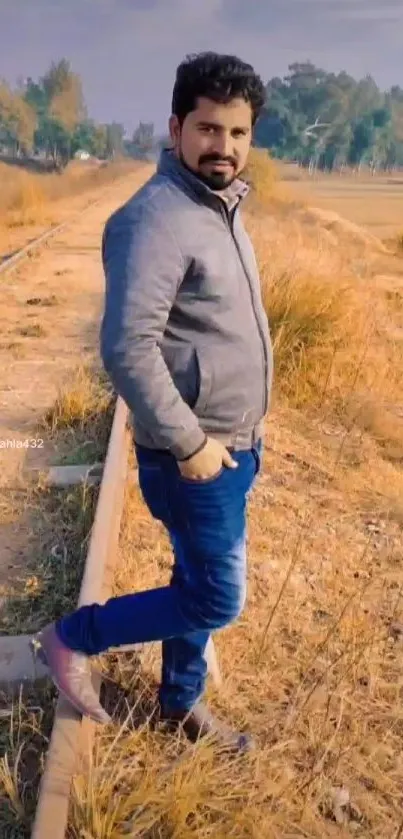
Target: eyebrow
(207, 124)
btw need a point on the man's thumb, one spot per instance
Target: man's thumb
(229, 461)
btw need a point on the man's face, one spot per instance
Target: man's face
(214, 140)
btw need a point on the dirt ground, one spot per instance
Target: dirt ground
(49, 320)
(14, 237)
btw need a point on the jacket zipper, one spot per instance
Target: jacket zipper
(230, 223)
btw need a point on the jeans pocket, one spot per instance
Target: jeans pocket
(153, 489)
(202, 481)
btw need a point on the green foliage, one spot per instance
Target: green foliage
(90, 137)
(49, 117)
(17, 120)
(114, 139)
(330, 120)
(143, 143)
(59, 104)
(326, 120)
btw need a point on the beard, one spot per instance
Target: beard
(216, 181)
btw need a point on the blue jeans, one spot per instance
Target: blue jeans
(206, 523)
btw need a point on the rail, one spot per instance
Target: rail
(8, 263)
(71, 733)
(69, 727)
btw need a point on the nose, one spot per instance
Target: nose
(224, 145)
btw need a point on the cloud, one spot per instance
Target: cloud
(364, 10)
(302, 15)
(127, 51)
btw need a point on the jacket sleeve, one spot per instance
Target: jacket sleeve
(143, 269)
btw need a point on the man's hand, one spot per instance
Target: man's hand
(208, 462)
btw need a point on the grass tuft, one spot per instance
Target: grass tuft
(84, 401)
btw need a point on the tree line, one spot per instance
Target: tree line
(329, 120)
(48, 118)
(316, 118)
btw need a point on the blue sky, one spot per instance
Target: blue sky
(127, 50)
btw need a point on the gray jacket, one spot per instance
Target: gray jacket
(184, 335)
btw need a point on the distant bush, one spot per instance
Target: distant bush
(26, 196)
(262, 174)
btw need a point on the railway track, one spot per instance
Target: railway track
(8, 263)
(71, 733)
(71, 737)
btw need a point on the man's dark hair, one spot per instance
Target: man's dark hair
(217, 77)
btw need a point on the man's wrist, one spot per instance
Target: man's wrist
(193, 454)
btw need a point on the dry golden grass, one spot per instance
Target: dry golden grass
(312, 667)
(86, 399)
(23, 199)
(374, 202)
(48, 585)
(336, 320)
(263, 175)
(28, 198)
(48, 582)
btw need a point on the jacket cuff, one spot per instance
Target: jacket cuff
(189, 446)
(189, 456)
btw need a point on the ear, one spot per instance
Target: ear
(174, 130)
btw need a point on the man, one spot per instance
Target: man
(185, 341)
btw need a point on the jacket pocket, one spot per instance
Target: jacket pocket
(191, 372)
(182, 365)
(205, 378)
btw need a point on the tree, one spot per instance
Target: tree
(90, 137)
(100, 141)
(65, 109)
(326, 119)
(114, 139)
(17, 121)
(35, 96)
(49, 116)
(317, 118)
(143, 143)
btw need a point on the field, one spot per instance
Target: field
(314, 666)
(372, 201)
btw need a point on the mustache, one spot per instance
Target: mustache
(215, 158)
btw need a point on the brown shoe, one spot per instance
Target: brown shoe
(70, 672)
(199, 722)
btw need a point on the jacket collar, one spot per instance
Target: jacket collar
(170, 166)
